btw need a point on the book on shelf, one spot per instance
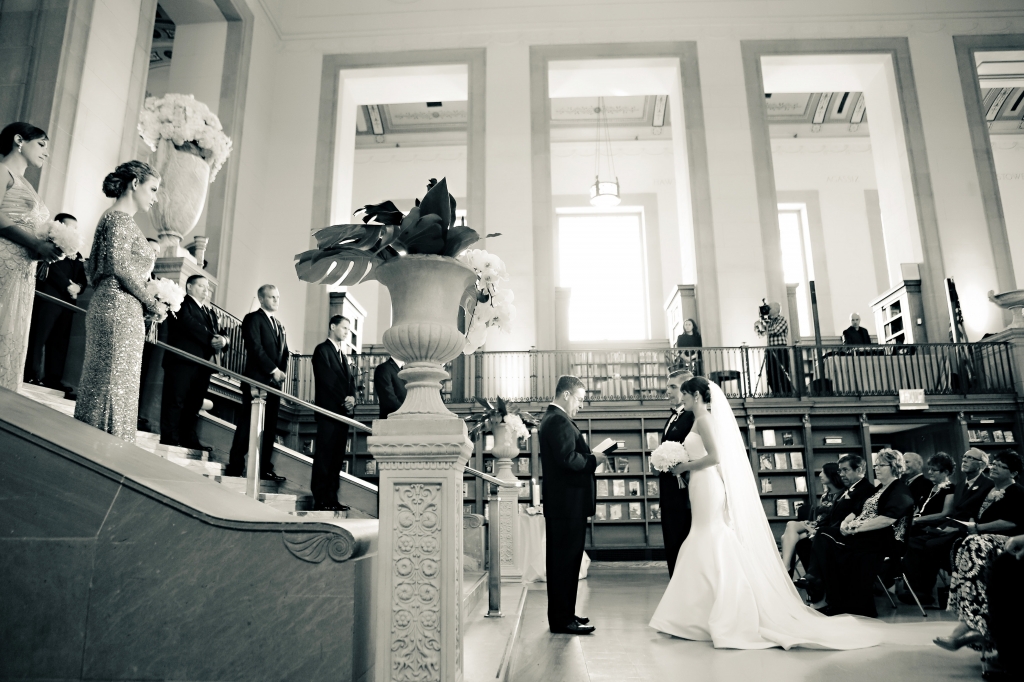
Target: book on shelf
(488, 442)
(782, 507)
(796, 460)
(972, 436)
(345, 466)
(797, 506)
(769, 437)
(834, 440)
(655, 511)
(622, 465)
(371, 467)
(780, 460)
(523, 465)
(765, 462)
(602, 487)
(636, 512)
(653, 440)
(601, 512)
(488, 466)
(634, 488)
(467, 508)
(524, 492)
(653, 487)
(618, 487)
(1008, 436)
(985, 437)
(614, 512)
(800, 482)
(465, 488)
(997, 436)
(766, 484)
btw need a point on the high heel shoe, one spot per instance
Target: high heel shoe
(954, 643)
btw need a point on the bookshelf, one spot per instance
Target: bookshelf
(990, 432)
(631, 375)
(781, 461)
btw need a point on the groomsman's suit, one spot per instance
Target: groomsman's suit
(389, 387)
(51, 324)
(192, 329)
(334, 380)
(266, 349)
(675, 501)
(570, 495)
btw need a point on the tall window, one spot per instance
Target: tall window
(797, 265)
(601, 257)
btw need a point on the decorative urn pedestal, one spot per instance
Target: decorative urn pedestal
(421, 451)
(184, 185)
(506, 451)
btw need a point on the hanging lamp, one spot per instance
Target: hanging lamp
(604, 193)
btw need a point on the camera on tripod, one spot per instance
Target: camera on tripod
(764, 310)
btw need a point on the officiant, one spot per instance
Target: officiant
(675, 495)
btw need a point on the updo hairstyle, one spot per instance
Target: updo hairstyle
(27, 131)
(118, 182)
(698, 386)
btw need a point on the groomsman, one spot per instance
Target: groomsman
(266, 360)
(335, 390)
(388, 387)
(570, 496)
(675, 495)
(193, 329)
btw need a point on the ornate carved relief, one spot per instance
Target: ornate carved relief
(508, 555)
(416, 600)
(316, 548)
(457, 551)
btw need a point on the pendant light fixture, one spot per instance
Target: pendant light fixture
(604, 192)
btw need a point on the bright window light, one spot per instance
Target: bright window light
(796, 262)
(601, 258)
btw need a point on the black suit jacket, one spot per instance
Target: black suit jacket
(192, 330)
(850, 502)
(670, 490)
(388, 387)
(856, 337)
(568, 485)
(919, 489)
(265, 349)
(333, 379)
(967, 501)
(60, 275)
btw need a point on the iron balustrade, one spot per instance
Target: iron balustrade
(741, 371)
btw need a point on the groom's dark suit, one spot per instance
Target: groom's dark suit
(570, 496)
(675, 501)
(266, 349)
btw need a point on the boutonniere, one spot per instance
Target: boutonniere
(974, 487)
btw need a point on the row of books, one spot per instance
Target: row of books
(520, 465)
(770, 441)
(618, 487)
(986, 436)
(799, 484)
(634, 511)
(780, 460)
(790, 508)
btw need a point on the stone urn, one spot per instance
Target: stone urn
(425, 296)
(506, 450)
(1012, 301)
(185, 183)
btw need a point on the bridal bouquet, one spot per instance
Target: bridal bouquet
(167, 292)
(188, 124)
(668, 455)
(64, 237)
(494, 305)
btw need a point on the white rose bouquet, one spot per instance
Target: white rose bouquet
(667, 455)
(167, 292)
(494, 308)
(184, 121)
(64, 237)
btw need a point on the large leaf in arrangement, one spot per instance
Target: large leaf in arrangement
(425, 237)
(459, 239)
(438, 202)
(328, 267)
(335, 235)
(385, 213)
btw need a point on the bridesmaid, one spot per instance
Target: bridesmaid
(118, 268)
(21, 211)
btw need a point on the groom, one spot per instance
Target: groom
(675, 495)
(569, 489)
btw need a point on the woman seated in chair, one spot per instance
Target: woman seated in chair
(856, 556)
(797, 538)
(938, 504)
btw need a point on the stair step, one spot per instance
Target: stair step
(237, 483)
(43, 391)
(197, 465)
(285, 503)
(168, 451)
(321, 514)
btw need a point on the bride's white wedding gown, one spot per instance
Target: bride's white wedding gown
(730, 586)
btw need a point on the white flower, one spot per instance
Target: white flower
(65, 237)
(166, 291)
(497, 310)
(668, 454)
(181, 119)
(515, 425)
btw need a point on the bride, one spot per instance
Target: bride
(730, 586)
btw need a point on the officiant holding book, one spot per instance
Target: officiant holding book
(675, 496)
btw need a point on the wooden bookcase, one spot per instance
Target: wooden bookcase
(628, 375)
(990, 432)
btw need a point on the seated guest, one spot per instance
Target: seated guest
(1002, 510)
(51, 324)
(1005, 604)
(798, 535)
(938, 503)
(855, 557)
(856, 335)
(915, 479)
(388, 387)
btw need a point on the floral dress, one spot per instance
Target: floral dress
(968, 588)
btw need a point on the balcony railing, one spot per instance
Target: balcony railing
(742, 372)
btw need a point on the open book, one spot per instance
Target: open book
(607, 446)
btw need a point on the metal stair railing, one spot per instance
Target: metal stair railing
(494, 541)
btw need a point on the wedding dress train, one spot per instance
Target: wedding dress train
(730, 586)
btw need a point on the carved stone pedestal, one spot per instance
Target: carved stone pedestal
(506, 450)
(419, 569)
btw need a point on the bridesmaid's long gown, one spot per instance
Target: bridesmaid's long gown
(17, 278)
(115, 332)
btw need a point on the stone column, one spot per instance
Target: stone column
(506, 450)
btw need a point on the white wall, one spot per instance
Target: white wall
(198, 61)
(1008, 151)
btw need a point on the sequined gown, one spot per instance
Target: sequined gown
(17, 278)
(118, 268)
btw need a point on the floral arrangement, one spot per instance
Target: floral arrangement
(518, 421)
(668, 455)
(167, 292)
(64, 237)
(494, 306)
(188, 124)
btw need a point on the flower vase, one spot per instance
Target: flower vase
(185, 182)
(425, 296)
(506, 450)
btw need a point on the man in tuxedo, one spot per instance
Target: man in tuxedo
(915, 479)
(675, 495)
(266, 361)
(335, 390)
(193, 329)
(570, 495)
(51, 324)
(388, 387)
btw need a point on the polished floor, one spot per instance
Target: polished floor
(620, 603)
